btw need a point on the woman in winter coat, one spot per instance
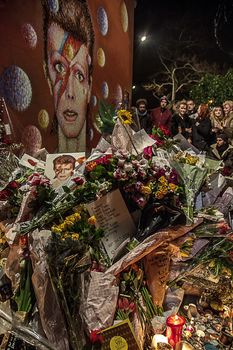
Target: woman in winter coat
(201, 129)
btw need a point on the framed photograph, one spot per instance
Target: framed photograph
(60, 167)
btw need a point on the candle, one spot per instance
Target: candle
(174, 329)
(158, 338)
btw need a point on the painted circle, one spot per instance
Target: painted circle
(101, 57)
(118, 343)
(53, 5)
(124, 17)
(102, 20)
(32, 139)
(43, 119)
(15, 87)
(93, 100)
(105, 89)
(29, 35)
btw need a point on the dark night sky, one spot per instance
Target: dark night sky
(160, 20)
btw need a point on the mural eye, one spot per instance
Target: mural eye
(59, 67)
(80, 76)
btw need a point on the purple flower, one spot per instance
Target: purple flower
(140, 201)
(138, 185)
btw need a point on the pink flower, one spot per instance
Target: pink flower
(128, 167)
(140, 201)
(125, 305)
(104, 160)
(148, 152)
(138, 185)
(141, 173)
(223, 227)
(37, 179)
(121, 162)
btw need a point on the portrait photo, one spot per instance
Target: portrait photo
(60, 167)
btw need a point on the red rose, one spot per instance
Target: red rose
(96, 336)
(13, 185)
(4, 194)
(78, 180)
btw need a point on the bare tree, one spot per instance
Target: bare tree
(177, 76)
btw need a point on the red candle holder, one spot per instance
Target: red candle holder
(174, 329)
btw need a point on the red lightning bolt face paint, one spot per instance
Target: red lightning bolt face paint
(69, 74)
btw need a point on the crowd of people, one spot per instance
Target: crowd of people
(210, 130)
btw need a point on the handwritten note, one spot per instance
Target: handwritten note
(113, 217)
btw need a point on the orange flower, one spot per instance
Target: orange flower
(145, 190)
(172, 187)
(92, 220)
(91, 166)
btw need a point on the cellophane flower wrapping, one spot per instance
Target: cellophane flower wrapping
(47, 300)
(99, 300)
(193, 177)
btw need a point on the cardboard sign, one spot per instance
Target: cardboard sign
(113, 217)
(119, 337)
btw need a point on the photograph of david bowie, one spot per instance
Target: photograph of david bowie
(60, 168)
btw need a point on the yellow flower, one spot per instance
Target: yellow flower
(77, 216)
(56, 229)
(226, 271)
(92, 220)
(75, 236)
(145, 190)
(125, 116)
(192, 160)
(184, 254)
(212, 263)
(163, 180)
(62, 226)
(172, 187)
(159, 195)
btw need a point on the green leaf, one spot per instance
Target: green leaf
(66, 189)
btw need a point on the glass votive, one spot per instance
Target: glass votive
(174, 329)
(158, 339)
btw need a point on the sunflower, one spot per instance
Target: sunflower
(125, 116)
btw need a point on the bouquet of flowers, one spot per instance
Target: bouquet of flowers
(193, 173)
(73, 246)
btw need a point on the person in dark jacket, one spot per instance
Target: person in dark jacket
(222, 150)
(181, 124)
(142, 118)
(201, 129)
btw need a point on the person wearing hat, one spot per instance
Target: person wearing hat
(161, 116)
(222, 150)
(142, 118)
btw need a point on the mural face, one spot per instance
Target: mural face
(67, 50)
(69, 75)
